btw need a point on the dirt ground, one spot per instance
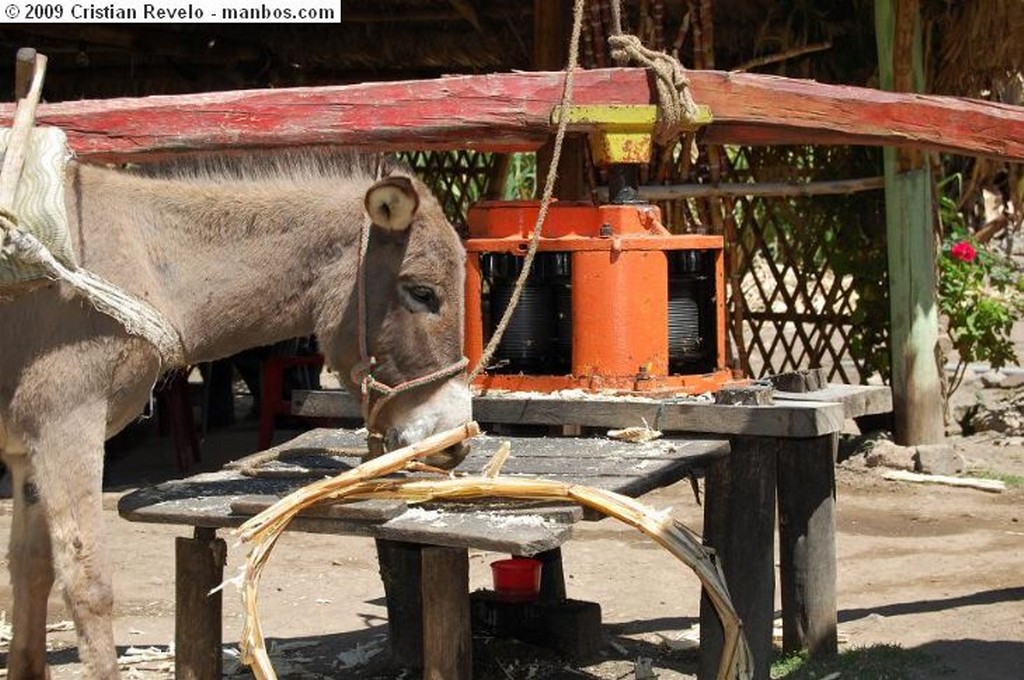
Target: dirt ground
(930, 568)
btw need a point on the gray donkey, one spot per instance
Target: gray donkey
(232, 260)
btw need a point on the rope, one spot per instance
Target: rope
(545, 201)
(375, 394)
(138, 317)
(675, 102)
(386, 393)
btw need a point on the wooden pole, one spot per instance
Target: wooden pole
(29, 73)
(916, 379)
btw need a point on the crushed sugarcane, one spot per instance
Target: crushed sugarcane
(497, 461)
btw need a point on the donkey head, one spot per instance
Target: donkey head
(411, 322)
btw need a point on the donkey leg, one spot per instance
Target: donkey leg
(69, 469)
(31, 566)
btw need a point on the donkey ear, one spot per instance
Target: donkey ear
(392, 202)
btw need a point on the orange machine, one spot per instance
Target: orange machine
(613, 301)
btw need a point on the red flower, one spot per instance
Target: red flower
(963, 251)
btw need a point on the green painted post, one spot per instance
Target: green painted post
(916, 378)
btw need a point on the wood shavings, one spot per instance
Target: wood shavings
(142, 662)
(635, 434)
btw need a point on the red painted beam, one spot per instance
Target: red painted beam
(511, 111)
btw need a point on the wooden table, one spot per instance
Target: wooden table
(781, 452)
(428, 598)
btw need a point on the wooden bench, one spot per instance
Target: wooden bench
(427, 558)
(782, 453)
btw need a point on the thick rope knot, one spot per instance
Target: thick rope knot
(675, 102)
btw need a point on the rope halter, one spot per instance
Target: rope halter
(374, 394)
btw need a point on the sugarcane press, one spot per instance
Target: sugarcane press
(613, 301)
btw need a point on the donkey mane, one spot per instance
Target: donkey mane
(291, 167)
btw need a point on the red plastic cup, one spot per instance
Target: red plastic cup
(517, 579)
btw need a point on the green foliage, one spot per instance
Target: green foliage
(521, 177)
(979, 294)
(1005, 477)
(878, 662)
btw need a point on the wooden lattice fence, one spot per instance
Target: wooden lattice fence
(458, 178)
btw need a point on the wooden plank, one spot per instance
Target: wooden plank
(199, 567)
(791, 419)
(990, 485)
(555, 457)
(511, 111)
(807, 544)
(194, 504)
(225, 498)
(857, 400)
(519, 535)
(318, 403)
(447, 633)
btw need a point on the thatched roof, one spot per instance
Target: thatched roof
(973, 44)
(384, 40)
(976, 46)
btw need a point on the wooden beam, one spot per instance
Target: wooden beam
(671, 192)
(511, 111)
(792, 418)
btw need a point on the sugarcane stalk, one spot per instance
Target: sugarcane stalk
(359, 484)
(264, 529)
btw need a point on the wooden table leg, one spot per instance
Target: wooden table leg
(400, 569)
(807, 544)
(199, 567)
(739, 523)
(447, 634)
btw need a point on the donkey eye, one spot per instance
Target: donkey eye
(423, 297)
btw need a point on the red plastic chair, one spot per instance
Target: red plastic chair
(272, 400)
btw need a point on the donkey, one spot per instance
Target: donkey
(233, 261)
